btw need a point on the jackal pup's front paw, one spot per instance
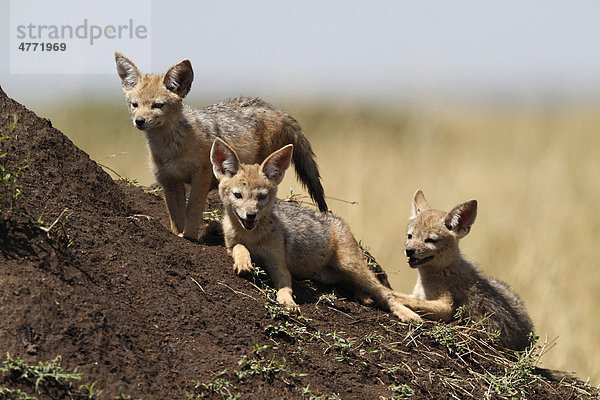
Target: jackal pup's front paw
(405, 314)
(192, 233)
(243, 265)
(285, 297)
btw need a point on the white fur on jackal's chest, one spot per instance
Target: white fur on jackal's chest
(175, 170)
(422, 290)
(175, 159)
(419, 290)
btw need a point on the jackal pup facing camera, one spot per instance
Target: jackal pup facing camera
(179, 138)
(446, 281)
(286, 238)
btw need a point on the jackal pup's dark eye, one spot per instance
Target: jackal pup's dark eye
(409, 236)
(262, 196)
(134, 105)
(157, 105)
(237, 195)
(431, 240)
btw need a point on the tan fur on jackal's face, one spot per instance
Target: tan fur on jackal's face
(154, 100)
(433, 236)
(248, 191)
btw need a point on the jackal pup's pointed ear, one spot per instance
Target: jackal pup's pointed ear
(419, 204)
(224, 160)
(275, 165)
(178, 79)
(128, 72)
(461, 218)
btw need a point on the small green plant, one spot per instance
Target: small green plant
(369, 343)
(306, 392)
(289, 330)
(311, 396)
(342, 345)
(130, 181)
(371, 263)
(328, 298)
(391, 369)
(156, 190)
(301, 350)
(373, 339)
(261, 279)
(50, 373)
(215, 215)
(276, 309)
(263, 366)
(292, 196)
(517, 375)
(42, 377)
(401, 391)
(61, 220)
(123, 396)
(280, 330)
(461, 338)
(257, 348)
(445, 335)
(14, 394)
(365, 250)
(89, 391)
(308, 284)
(220, 386)
(260, 276)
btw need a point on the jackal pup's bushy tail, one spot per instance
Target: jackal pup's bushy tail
(304, 163)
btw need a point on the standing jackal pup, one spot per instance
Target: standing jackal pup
(286, 238)
(446, 281)
(179, 138)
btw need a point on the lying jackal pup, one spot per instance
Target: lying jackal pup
(446, 281)
(286, 238)
(179, 138)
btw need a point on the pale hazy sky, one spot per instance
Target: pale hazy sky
(350, 48)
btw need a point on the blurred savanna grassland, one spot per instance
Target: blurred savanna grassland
(534, 169)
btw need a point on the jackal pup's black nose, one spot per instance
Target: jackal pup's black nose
(409, 252)
(251, 216)
(140, 121)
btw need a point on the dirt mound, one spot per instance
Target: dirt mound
(144, 313)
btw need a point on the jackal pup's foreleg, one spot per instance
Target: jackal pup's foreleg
(175, 200)
(242, 262)
(194, 211)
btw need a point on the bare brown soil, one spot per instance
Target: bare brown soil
(147, 314)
